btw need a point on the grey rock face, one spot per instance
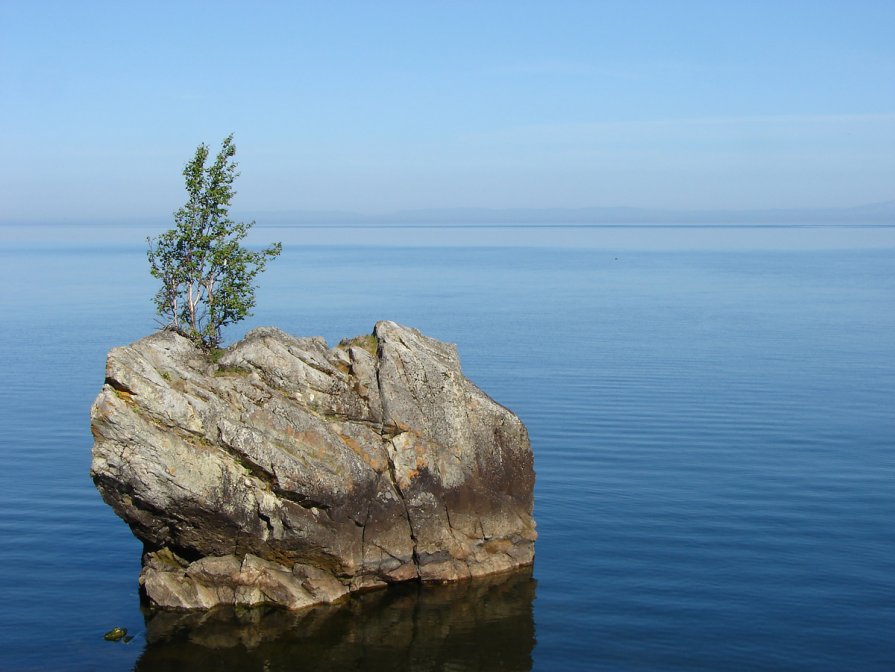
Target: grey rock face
(292, 473)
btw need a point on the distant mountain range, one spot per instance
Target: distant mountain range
(875, 213)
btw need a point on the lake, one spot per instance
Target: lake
(712, 413)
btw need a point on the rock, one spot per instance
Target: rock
(482, 624)
(293, 473)
(115, 634)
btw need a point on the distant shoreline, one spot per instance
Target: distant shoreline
(791, 225)
(373, 226)
(874, 214)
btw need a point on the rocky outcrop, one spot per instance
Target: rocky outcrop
(291, 473)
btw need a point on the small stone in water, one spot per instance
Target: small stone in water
(115, 634)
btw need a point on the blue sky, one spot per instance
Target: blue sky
(380, 106)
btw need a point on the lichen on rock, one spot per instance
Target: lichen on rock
(291, 473)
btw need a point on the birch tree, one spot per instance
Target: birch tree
(207, 276)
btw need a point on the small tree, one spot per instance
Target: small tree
(207, 275)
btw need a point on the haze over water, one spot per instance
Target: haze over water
(710, 411)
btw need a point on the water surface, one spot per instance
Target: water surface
(711, 416)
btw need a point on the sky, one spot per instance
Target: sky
(381, 106)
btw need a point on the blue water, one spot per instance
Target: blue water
(712, 415)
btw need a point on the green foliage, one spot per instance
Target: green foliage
(368, 342)
(227, 371)
(214, 354)
(207, 275)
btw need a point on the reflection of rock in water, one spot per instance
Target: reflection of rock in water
(481, 624)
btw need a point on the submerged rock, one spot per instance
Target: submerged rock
(115, 634)
(292, 473)
(482, 624)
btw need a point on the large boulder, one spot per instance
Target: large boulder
(292, 473)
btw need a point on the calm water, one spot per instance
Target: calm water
(712, 414)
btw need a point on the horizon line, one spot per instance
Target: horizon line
(874, 212)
